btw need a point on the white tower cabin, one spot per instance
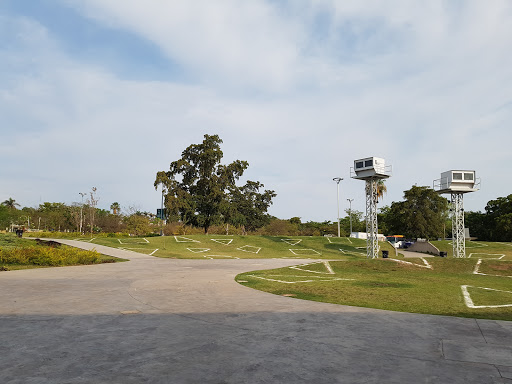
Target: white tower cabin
(371, 170)
(371, 167)
(456, 183)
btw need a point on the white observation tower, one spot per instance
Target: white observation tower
(371, 170)
(457, 183)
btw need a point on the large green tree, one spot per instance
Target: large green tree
(420, 215)
(246, 207)
(197, 187)
(498, 219)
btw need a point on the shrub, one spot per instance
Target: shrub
(48, 256)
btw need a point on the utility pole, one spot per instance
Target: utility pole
(350, 213)
(337, 180)
(81, 209)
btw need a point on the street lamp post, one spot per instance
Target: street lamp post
(337, 180)
(350, 213)
(81, 209)
(162, 213)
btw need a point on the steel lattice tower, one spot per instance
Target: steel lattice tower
(457, 183)
(372, 227)
(371, 170)
(458, 235)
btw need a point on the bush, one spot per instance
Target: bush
(48, 256)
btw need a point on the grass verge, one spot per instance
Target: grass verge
(391, 285)
(243, 247)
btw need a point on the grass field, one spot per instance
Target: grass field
(479, 286)
(242, 247)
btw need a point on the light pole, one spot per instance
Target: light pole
(162, 213)
(337, 180)
(350, 213)
(81, 209)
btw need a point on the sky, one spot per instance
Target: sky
(106, 93)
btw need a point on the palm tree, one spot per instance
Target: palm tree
(10, 203)
(115, 207)
(381, 189)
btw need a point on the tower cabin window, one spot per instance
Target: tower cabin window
(468, 176)
(368, 163)
(457, 176)
(359, 164)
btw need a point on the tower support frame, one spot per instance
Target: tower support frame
(372, 227)
(458, 233)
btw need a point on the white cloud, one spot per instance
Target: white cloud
(247, 43)
(299, 90)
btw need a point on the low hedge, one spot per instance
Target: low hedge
(47, 256)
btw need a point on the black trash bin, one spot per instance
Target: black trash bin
(385, 254)
(442, 254)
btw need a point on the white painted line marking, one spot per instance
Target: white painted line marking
(425, 262)
(469, 303)
(489, 254)
(469, 244)
(318, 278)
(135, 241)
(151, 254)
(182, 239)
(340, 238)
(292, 241)
(136, 250)
(223, 241)
(324, 262)
(293, 258)
(224, 256)
(249, 247)
(476, 271)
(298, 251)
(198, 250)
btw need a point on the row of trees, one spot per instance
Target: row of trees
(77, 217)
(66, 218)
(423, 213)
(495, 224)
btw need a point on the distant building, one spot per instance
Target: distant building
(363, 235)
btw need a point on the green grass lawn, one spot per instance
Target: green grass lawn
(19, 253)
(242, 247)
(406, 285)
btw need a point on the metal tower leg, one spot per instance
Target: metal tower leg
(458, 235)
(372, 229)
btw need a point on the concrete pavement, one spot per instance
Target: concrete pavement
(153, 320)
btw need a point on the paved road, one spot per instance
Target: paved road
(153, 320)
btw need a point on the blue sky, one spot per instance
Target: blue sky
(106, 93)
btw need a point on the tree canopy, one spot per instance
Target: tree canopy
(495, 224)
(421, 215)
(202, 192)
(10, 203)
